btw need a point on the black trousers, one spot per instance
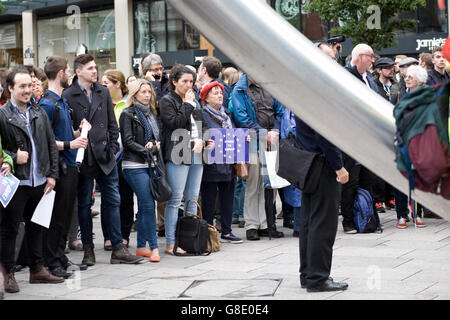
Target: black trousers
(318, 227)
(55, 236)
(382, 191)
(208, 191)
(22, 205)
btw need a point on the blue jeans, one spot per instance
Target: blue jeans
(238, 201)
(110, 198)
(139, 181)
(183, 179)
(401, 205)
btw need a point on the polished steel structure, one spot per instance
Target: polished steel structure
(314, 87)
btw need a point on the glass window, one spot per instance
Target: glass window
(142, 37)
(11, 52)
(60, 36)
(158, 27)
(310, 24)
(433, 17)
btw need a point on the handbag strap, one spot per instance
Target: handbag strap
(199, 211)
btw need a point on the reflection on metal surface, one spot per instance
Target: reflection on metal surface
(314, 87)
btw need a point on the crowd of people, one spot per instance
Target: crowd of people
(134, 125)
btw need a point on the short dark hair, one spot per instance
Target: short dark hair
(81, 60)
(213, 66)
(176, 73)
(10, 78)
(436, 49)
(53, 65)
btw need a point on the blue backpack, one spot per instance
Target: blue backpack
(363, 215)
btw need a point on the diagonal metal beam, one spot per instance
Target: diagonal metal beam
(314, 87)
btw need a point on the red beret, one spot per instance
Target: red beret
(207, 87)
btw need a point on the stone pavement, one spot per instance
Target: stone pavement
(409, 264)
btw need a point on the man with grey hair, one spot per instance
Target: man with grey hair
(362, 58)
(153, 70)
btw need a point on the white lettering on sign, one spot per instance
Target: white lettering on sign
(429, 43)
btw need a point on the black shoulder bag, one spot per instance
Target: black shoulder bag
(159, 186)
(300, 167)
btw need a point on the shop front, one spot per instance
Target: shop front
(11, 51)
(94, 33)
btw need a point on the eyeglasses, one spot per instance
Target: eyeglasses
(371, 56)
(157, 69)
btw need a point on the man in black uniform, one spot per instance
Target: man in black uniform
(319, 211)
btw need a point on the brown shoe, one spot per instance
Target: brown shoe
(124, 256)
(89, 257)
(43, 276)
(11, 285)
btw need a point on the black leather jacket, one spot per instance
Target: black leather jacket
(14, 135)
(133, 136)
(176, 114)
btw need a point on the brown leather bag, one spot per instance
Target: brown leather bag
(241, 170)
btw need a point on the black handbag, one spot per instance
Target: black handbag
(159, 186)
(300, 167)
(192, 234)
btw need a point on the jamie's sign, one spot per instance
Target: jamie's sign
(429, 44)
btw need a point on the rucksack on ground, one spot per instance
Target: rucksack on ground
(422, 143)
(363, 214)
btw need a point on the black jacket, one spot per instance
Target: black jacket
(102, 145)
(176, 114)
(133, 136)
(216, 172)
(14, 135)
(308, 139)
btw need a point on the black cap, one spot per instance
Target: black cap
(383, 63)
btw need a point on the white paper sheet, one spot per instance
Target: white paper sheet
(43, 213)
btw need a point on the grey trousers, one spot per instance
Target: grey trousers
(254, 205)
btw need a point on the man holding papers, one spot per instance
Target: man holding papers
(35, 165)
(92, 101)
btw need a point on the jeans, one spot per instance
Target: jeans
(126, 208)
(110, 198)
(183, 179)
(238, 200)
(139, 181)
(401, 205)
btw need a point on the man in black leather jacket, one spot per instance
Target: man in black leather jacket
(28, 138)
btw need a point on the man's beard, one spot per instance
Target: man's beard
(64, 83)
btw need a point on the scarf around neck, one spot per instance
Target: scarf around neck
(148, 121)
(220, 115)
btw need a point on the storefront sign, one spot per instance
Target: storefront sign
(8, 36)
(429, 44)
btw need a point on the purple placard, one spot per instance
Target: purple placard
(230, 146)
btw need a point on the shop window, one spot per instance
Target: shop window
(96, 32)
(433, 17)
(11, 52)
(158, 27)
(309, 23)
